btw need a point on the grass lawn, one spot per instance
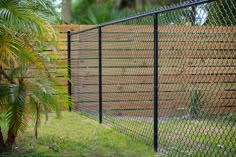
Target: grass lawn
(190, 138)
(198, 138)
(77, 136)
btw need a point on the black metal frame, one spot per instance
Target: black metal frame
(69, 67)
(155, 105)
(155, 33)
(100, 72)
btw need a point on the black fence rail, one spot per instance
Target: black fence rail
(166, 77)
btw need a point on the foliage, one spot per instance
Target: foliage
(88, 12)
(27, 87)
(91, 12)
(196, 103)
(221, 13)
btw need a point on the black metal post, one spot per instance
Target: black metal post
(155, 82)
(100, 72)
(69, 67)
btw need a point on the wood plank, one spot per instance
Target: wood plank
(162, 111)
(122, 80)
(168, 29)
(63, 37)
(169, 112)
(65, 28)
(162, 71)
(167, 96)
(115, 80)
(148, 62)
(170, 36)
(220, 110)
(149, 45)
(165, 53)
(164, 105)
(186, 30)
(166, 36)
(162, 87)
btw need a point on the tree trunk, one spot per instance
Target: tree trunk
(37, 121)
(10, 139)
(99, 1)
(116, 5)
(66, 11)
(2, 145)
(139, 4)
(193, 15)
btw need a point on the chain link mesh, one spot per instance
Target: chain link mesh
(197, 81)
(84, 60)
(128, 77)
(197, 78)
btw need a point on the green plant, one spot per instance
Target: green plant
(196, 103)
(27, 88)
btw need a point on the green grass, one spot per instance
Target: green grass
(77, 136)
(198, 138)
(194, 138)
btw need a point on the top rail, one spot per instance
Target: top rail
(162, 10)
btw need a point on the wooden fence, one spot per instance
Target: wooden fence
(60, 72)
(190, 58)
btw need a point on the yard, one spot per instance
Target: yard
(76, 135)
(167, 78)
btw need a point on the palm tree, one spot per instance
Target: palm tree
(26, 85)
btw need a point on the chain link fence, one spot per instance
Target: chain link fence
(167, 77)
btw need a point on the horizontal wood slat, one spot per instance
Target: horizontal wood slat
(65, 28)
(149, 45)
(146, 109)
(168, 96)
(168, 29)
(127, 54)
(165, 53)
(162, 71)
(124, 105)
(162, 87)
(164, 37)
(162, 79)
(149, 62)
(170, 112)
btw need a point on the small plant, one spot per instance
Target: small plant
(196, 103)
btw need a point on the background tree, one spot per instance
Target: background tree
(99, 11)
(93, 11)
(66, 11)
(142, 4)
